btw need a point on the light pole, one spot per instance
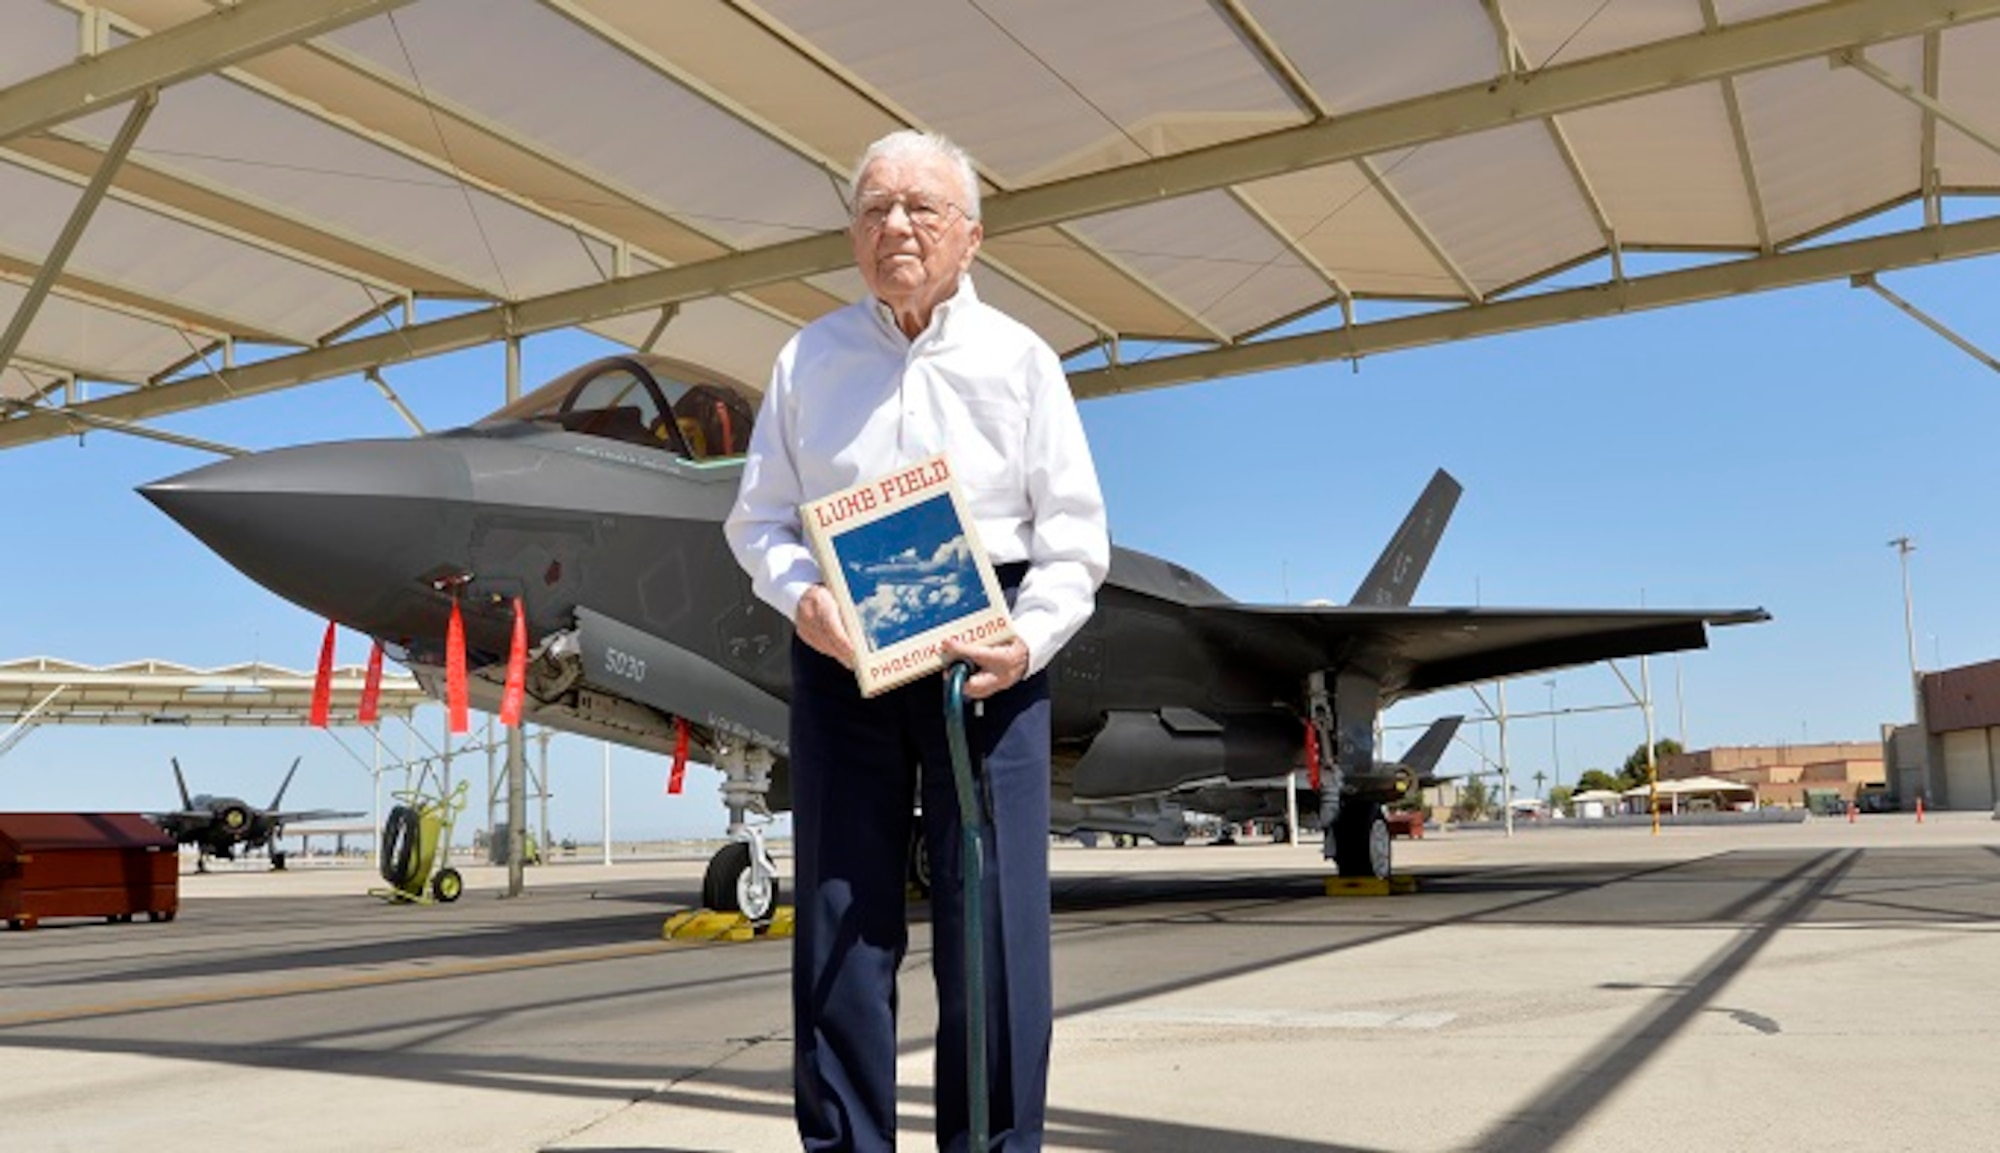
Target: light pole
(1555, 740)
(1904, 546)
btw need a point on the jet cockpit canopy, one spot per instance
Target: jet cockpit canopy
(692, 412)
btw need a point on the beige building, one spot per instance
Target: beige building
(1782, 775)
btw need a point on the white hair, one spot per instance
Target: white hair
(909, 144)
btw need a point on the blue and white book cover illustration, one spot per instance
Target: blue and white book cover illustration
(907, 569)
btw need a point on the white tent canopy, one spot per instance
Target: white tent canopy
(44, 690)
(210, 201)
(1678, 793)
(1693, 786)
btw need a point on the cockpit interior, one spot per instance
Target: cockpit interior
(639, 399)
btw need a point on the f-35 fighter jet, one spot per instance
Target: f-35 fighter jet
(599, 500)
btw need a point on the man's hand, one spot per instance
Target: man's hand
(818, 624)
(996, 666)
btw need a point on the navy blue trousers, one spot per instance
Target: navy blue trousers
(857, 768)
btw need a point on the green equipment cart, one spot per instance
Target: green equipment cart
(411, 835)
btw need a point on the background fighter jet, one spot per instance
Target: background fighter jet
(598, 500)
(1236, 803)
(219, 826)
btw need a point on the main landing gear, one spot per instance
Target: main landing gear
(1357, 830)
(1361, 845)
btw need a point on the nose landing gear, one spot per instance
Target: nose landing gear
(742, 879)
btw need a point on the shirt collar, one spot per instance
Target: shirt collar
(963, 297)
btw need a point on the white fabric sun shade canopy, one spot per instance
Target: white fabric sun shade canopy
(1192, 175)
(42, 690)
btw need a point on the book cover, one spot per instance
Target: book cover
(906, 567)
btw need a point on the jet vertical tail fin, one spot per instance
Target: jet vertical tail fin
(278, 801)
(1393, 580)
(1423, 757)
(186, 803)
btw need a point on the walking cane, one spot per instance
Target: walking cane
(971, 867)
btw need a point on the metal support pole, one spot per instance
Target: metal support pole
(607, 802)
(1292, 808)
(1652, 760)
(25, 724)
(513, 369)
(1937, 326)
(517, 760)
(444, 849)
(1681, 704)
(79, 217)
(517, 809)
(542, 789)
(1506, 773)
(492, 794)
(1555, 736)
(659, 328)
(374, 377)
(375, 806)
(1904, 546)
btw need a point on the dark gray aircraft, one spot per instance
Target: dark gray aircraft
(1237, 802)
(598, 500)
(220, 826)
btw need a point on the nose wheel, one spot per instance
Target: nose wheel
(742, 878)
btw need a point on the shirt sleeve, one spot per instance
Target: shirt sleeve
(763, 527)
(1069, 546)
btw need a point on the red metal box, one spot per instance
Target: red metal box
(110, 865)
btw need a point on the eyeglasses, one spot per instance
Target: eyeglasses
(926, 215)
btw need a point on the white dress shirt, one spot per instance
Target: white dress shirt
(852, 399)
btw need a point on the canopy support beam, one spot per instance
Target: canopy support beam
(1856, 59)
(1868, 281)
(25, 724)
(79, 219)
(194, 48)
(396, 402)
(81, 422)
(1518, 314)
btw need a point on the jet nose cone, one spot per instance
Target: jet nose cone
(343, 530)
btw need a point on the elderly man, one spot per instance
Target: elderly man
(920, 366)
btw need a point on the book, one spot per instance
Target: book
(906, 568)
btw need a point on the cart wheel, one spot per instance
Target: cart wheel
(399, 846)
(158, 915)
(447, 886)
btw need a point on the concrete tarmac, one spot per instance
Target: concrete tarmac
(1817, 986)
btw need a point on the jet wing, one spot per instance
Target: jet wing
(190, 818)
(1420, 650)
(287, 818)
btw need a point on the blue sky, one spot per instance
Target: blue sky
(1751, 452)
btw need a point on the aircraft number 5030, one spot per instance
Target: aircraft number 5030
(623, 664)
